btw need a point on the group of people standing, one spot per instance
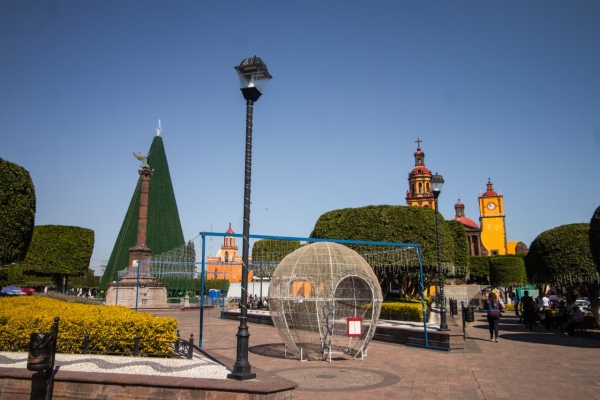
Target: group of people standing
(529, 309)
(257, 302)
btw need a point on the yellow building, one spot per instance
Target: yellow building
(419, 182)
(491, 217)
(226, 264)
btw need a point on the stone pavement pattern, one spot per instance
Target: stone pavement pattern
(523, 365)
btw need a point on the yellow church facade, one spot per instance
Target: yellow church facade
(227, 263)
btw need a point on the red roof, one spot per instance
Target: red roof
(420, 170)
(466, 222)
(490, 189)
(230, 230)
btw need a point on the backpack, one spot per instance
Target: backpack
(500, 304)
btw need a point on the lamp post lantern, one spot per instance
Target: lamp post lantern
(436, 183)
(253, 76)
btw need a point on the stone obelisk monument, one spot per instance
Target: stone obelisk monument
(141, 252)
(139, 289)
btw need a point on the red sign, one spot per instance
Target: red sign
(354, 327)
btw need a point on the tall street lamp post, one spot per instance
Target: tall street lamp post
(253, 76)
(436, 183)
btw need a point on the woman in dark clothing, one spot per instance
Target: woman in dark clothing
(493, 316)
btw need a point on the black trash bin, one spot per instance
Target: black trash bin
(469, 314)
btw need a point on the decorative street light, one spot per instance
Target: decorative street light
(253, 76)
(436, 183)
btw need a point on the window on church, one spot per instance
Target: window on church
(494, 252)
(428, 190)
(420, 187)
(226, 256)
(419, 161)
(412, 188)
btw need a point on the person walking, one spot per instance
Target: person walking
(492, 308)
(528, 310)
(516, 305)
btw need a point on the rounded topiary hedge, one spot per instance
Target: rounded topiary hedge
(595, 238)
(17, 212)
(507, 271)
(561, 255)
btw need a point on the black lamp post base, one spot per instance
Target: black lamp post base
(241, 376)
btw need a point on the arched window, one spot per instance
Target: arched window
(420, 187)
(427, 186)
(226, 256)
(412, 188)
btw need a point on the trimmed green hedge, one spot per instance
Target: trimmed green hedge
(560, 255)
(507, 271)
(213, 284)
(268, 253)
(461, 243)
(59, 250)
(479, 268)
(17, 212)
(386, 223)
(595, 238)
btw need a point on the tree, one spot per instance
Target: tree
(17, 212)
(461, 244)
(392, 224)
(595, 238)
(507, 271)
(211, 284)
(562, 257)
(479, 269)
(60, 251)
(268, 253)
(15, 275)
(86, 281)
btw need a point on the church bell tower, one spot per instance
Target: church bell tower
(419, 182)
(491, 216)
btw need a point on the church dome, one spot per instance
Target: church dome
(466, 222)
(230, 230)
(420, 170)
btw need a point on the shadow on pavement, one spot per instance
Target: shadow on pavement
(511, 329)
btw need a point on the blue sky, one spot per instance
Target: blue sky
(507, 90)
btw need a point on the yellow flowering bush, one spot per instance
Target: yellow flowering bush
(402, 311)
(23, 315)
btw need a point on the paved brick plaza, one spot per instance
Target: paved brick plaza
(523, 365)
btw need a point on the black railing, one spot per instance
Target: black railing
(134, 347)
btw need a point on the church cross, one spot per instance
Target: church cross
(418, 142)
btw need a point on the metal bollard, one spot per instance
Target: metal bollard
(191, 347)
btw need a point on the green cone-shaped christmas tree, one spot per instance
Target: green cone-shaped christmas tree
(163, 231)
